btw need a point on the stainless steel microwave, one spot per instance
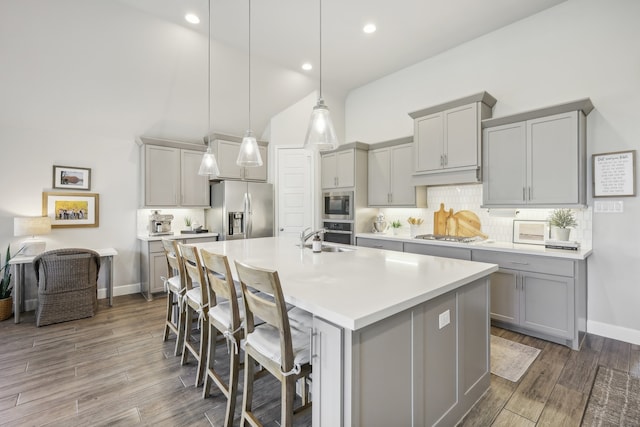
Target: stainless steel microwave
(337, 205)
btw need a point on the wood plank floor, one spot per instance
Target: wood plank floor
(114, 369)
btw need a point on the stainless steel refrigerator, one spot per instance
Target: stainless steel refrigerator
(240, 210)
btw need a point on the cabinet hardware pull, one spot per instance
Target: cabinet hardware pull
(529, 193)
(377, 246)
(446, 159)
(524, 197)
(519, 262)
(312, 353)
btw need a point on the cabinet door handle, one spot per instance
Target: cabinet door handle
(446, 159)
(524, 197)
(312, 353)
(529, 193)
(377, 246)
(519, 262)
(441, 160)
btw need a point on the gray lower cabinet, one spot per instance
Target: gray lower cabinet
(153, 264)
(539, 296)
(391, 245)
(435, 250)
(439, 348)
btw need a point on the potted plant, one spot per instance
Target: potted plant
(396, 225)
(6, 302)
(562, 220)
(187, 222)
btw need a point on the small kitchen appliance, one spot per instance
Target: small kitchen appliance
(380, 225)
(159, 224)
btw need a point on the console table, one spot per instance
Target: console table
(19, 262)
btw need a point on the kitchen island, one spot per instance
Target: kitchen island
(398, 338)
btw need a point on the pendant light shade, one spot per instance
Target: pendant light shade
(321, 135)
(209, 165)
(249, 155)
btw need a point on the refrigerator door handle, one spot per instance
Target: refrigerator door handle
(247, 215)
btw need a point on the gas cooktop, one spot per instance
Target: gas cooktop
(447, 238)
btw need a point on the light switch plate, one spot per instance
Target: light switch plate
(444, 319)
(608, 206)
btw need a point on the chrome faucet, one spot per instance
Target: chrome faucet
(304, 237)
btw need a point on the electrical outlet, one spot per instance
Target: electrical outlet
(444, 319)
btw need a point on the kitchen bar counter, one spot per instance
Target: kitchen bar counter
(397, 338)
(489, 245)
(327, 284)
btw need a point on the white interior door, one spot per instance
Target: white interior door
(294, 191)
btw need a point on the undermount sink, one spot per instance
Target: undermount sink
(331, 248)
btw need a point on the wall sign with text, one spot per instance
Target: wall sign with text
(614, 174)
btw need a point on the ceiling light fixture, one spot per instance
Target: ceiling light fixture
(249, 155)
(192, 18)
(307, 67)
(321, 134)
(369, 28)
(208, 165)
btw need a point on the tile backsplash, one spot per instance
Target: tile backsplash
(497, 223)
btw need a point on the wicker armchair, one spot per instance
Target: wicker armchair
(67, 285)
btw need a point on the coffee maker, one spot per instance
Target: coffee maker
(159, 224)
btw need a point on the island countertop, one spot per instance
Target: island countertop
(354, 288)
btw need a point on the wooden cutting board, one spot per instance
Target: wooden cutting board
(440, 220)
(468, 224)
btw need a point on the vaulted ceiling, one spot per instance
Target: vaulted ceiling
(286, 32)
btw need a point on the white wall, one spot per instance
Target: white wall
(80, 80)
(581, 48)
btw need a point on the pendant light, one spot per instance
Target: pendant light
(321, 134)
(249, 155)
(208, 165)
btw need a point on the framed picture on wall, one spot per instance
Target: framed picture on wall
(71, 178)
(614, 174)
(67, 210)
(530, 232)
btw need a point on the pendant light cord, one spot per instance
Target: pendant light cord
(320, 1)
(209, 82)
(250, 65)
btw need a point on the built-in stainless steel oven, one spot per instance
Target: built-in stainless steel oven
(338, 232)
(337, 205)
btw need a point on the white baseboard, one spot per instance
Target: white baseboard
(134, 288)
(615, 332)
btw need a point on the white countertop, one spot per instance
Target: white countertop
(176, 235)
(489, 245)
(356, 288)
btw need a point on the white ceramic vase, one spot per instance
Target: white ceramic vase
(563, 233)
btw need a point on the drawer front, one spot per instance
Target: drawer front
(537, 264)
(380, 244)
(155, 246)
(435, 250)
(195, 240)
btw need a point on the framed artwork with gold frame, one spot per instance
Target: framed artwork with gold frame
(69, 210)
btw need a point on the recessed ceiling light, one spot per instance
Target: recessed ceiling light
(306, 66)
(369, 28)
(192, 18)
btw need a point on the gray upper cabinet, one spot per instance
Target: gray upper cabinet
(536, 159)
(447, 140)
(338, 169)
(170, 174)
(389, 177)
(226, 149)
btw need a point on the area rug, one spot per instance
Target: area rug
(510, 359)
(614, 399)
